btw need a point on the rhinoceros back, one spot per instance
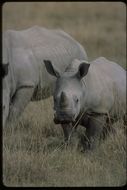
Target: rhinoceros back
(42, 44)
(107, 81)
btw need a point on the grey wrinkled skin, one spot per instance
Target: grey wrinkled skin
(26, 78)
(97, 89)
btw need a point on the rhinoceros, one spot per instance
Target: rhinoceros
(93, 91)
(24, 75)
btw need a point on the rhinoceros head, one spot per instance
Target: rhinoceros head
(69, 91)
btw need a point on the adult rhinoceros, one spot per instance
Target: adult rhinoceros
(27, 77)
(94, 90)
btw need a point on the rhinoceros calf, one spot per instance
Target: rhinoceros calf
(25, 77)
(95, 90)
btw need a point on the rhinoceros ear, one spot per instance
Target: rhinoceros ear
(83, 69)
(51, 69)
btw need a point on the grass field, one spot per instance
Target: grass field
(33, 151)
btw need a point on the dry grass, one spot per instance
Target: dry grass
(33, 151)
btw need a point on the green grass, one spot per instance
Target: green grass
(33, 151)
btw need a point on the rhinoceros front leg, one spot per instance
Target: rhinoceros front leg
(94, 130)
(67, 129)
(18, 104)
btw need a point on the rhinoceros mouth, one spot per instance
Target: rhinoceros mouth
(63, 119)
(57, 121)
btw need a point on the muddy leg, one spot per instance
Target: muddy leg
(125, 120)
(93, 132)
(67, 129)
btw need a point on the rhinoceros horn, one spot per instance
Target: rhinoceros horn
(63, 100)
